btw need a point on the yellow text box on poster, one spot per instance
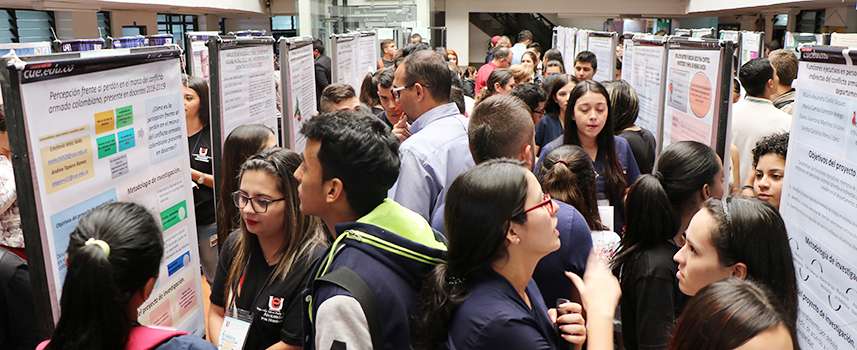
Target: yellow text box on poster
(67, 159)
(104, 122)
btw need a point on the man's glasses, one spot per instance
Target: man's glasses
(259, 205)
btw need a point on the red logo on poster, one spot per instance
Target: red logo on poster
(275, 303)
(854, 118)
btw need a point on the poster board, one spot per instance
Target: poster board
(843, 39)
(752, 46)
(196, 56)
(648, 77)
(26, 49)
(565, 42)
(367, 57)
(731, 35)
(710, 33)
(242, 88)
(581, 42)
(682, 32)
(298, 86)
(698, 92)
(88, 131)
(628, 57)
(603, 45)
(818, 199)
(345, 56)
(795, 40)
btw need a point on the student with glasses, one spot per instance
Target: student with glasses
(499, 224)
(743, 238)
(264, 263)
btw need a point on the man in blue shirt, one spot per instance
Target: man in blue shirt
(437, 151)
(501, 127)
(525, 38)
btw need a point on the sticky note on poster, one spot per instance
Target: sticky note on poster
(173, 215)
(103, 122)
(106, 145)
(66, 158)
(124, 116)
(164, 117)
(126, 139)
(64, 222)
(118, 166)
(178, 263)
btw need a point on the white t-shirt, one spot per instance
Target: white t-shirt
(752, 119)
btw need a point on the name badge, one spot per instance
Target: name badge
(233, 333)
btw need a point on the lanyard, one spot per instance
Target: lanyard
(233, 297)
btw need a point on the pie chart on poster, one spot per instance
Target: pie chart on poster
(700, 94)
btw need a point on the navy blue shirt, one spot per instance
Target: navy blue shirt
(495, 317)
(576, 242)
(626, 161)
(548, 129)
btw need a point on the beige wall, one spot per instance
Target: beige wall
(130, 18)
(76, 24)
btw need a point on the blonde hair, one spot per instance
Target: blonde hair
(521, 74)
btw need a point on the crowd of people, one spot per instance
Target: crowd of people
(513, 206)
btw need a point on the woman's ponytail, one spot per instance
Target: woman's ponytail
(441, 294)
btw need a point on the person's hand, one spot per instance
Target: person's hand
(748, 192)
(571, 323)
(400, 129)
(599, 289)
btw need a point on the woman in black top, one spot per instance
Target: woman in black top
(195, 96)
(658, 209)
(625, 106)
(263, 264)
(558, 88)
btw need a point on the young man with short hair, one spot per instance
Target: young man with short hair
(363, 292)
(534, 97)
(585, 65)
(500, 127)
(755, 116)
(525, 38)
(388, 54)
(337, 97)
(392, 115)
(785, 72)
(502, 59)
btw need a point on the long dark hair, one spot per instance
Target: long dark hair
(655, 203)
(200, 86)
(567, 175)
(243, 142)
(369, 91)
(500, 76)
(480, 206)
(613, 174)
(553, 84)
(303, 233)
(624, 103)
(727, 314)
(753, 232)
(98, 285)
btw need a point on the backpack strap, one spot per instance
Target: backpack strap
(148, 337)
(9, 263)
(352, 282)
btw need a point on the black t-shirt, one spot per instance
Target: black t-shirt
(276, 306)
(643, 146)
(200, 160)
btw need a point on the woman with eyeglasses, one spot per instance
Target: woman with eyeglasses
(743, 238)
(659, 208)
(499, 224)
(263, 264)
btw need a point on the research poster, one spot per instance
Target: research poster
(730, 35)
(199, 62)
(603, 45)
(559, 39)
(628, 59)
(819, 198)
(246, 87)
(112, 131)
(566, 43)
(843, 39)
(648, 80)
(581, 42)
(367, 57)
(299, 76)
(751, 46)
(344, 61)
(26, 49)
(691, 93)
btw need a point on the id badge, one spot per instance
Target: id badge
(233, 333)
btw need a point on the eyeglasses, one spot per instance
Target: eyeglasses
(259, 205)
(546, 202)
(397, 91)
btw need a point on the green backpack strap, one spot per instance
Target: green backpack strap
(349, 280)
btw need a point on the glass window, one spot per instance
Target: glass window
(176, 25)
(18, 26)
